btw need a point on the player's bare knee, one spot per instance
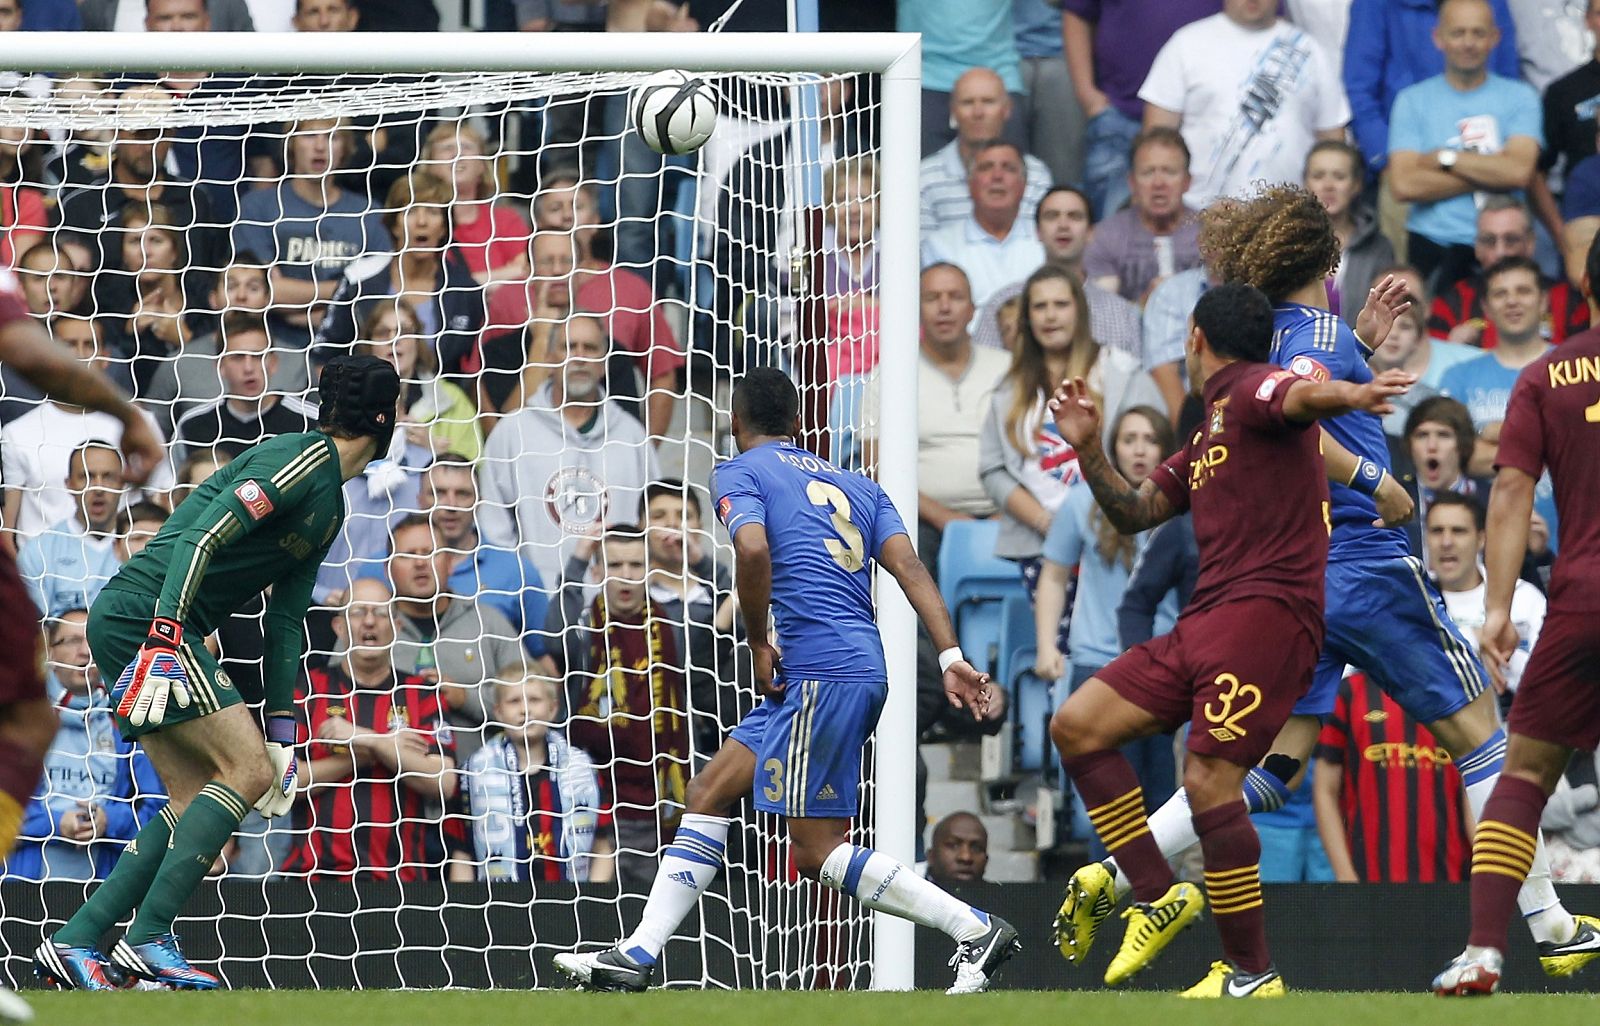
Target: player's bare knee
(1073, 732)
(249, 777)
(1211, 782)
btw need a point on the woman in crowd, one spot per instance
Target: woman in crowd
(426, 271)
(1334, 173)
(1081, 536)
(436, 414)
(1027, 468)
(492, 238)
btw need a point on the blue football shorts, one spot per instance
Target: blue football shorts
(1387, 619)
(808, 744)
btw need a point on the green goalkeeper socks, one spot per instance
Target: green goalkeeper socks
(125, 887)
(204, 828)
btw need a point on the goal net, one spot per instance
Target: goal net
(522, 643)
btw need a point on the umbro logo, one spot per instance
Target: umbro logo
(1223, 734)
(827, 794)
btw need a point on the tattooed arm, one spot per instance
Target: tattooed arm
(1129, 509)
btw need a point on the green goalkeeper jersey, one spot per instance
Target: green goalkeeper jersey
(265, 519)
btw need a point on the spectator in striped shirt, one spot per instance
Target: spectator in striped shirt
(979, 107)
(380, 761)
(1388, 798)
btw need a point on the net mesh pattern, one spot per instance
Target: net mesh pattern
(567, 310)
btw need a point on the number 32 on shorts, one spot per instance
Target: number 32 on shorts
(1235, 701)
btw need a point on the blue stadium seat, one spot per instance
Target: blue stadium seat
(974, 582)
(1016, 639)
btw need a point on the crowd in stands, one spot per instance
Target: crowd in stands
(524, 637)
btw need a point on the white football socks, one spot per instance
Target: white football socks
(1172, 826)
(687, 868)
(887, 885)
(1547, 918)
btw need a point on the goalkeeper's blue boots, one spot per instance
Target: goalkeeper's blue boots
(57, 965)
(608, 970)
(160, 961)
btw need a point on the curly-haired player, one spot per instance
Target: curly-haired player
(1384, 614)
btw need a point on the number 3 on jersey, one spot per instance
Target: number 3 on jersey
(848, 550)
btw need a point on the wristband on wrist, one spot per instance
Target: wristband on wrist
(165, 633)
(281, 730)
(949, 657)
(1367, 478)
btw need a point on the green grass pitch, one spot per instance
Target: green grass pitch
(674, 1008)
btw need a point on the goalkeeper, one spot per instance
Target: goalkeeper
(265, 519)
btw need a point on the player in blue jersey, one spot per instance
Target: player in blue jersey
(1384, 615)
(805, 535)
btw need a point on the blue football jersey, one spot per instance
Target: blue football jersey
(1316, 344)
(824, 528)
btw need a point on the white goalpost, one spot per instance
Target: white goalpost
(733, 295)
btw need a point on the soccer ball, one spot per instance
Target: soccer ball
(674, 112)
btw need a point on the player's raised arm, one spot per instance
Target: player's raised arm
(1308, 400)
(1129, 509)
(1386, 301)
(963, 684)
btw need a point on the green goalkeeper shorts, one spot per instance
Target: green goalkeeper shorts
(118, 624)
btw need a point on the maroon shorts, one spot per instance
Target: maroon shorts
(1234, 672)
(22, 668)
(1559, 698)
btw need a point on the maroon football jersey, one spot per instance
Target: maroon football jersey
(1255, 485)
(1553, 422)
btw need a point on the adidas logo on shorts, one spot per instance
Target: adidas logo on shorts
(827, 794)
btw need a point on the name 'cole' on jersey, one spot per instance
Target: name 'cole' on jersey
(824, 528)
(1316, 344)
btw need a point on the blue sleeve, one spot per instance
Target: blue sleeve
(886, 522)
(30, 565)
(1525, 117)
(1505, 60)
(1322, 349)
(121, 823)
(1365, 57)
(40, 818)
(738, 498)
(1064, 543)
(1407, 125)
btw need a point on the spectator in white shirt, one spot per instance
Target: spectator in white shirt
(1251, 93)
(35, 450)
(1455, 536)
(993, 244)
(979, 107)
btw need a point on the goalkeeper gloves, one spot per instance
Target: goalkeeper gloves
(279, 795)
(155, 677)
